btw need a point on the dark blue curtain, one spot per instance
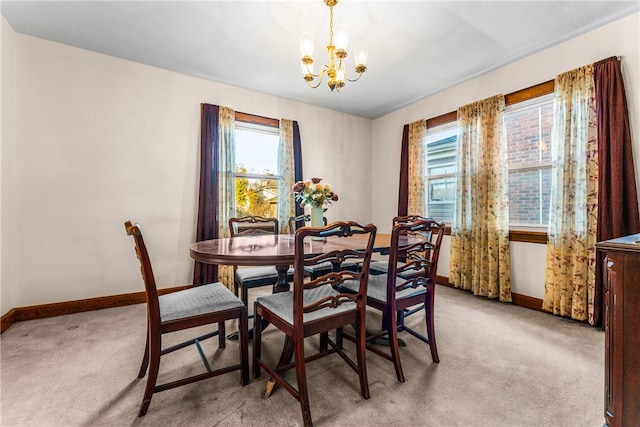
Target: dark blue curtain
(207, 225)
(297, 161)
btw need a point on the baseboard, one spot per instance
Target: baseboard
(517, 299)
(527, 302)
(32, 312)
(7, 320)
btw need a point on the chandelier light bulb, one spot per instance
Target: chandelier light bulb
(341, 40)
(361, 54)
(306, 44)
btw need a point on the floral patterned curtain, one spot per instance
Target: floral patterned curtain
(480, 259)
(417, 131)
(286, 203)
(570, 273)
(226, 183)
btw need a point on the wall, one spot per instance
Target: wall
(618, 38)
(100, 140)
(7, 147)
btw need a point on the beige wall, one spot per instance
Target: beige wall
(527, 260)
(7, 148)
(100, 140)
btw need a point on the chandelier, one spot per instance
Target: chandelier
(334, 70)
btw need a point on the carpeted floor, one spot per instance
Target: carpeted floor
(500, 365)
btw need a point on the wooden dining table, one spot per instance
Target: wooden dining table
(276, 249)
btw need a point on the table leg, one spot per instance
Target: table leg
(285, 359)
(283, 279)
(282, 285)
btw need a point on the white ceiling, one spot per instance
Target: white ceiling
(416, 48)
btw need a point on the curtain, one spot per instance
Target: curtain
(226, 184)
(216, 200)
(415, 201)
(297, 162)
(207, 225)
(403, 190)
(480, 259)
(570, 266)
(617, 194)
(286, 171)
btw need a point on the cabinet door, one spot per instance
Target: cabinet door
(612, 360)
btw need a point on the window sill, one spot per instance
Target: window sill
(526, 236)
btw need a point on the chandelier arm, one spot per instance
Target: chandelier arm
(312, 86)
(346, 77)
(321, 73)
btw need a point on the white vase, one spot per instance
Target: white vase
(316, 217)
(316, 220)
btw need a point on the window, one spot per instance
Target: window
(528, 128)
(256, 169)
(440, 168)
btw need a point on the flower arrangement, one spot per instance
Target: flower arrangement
(313, 193)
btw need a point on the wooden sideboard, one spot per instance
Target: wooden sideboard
(622, 331)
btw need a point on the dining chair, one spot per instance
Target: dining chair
(314, 307)
(408, 287)
(185, 309)
(245, 278)
(314, 271)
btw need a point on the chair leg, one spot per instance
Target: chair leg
(324, 341)
(145, 357)
(431, 333)
(392, 330)
(361, 353)
(301, 376)
(222, 335)
(244, 346)
(236, 287)
(154, 366)
(257, 343)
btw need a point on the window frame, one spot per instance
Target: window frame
(531, 166)
(428, 179)
(259, 124)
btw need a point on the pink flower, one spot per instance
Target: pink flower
(298, 187)
(316, 180)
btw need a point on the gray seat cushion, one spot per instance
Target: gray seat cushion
(197, 301)
(281, 304)
(248, 274)
(377, 288)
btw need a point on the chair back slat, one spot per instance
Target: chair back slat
(153, 305)
(337, 231)
(417, 262)
(253, 225)
(296, 222)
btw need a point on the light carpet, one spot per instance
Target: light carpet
(500, 365)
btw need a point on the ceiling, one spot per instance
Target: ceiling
(416, 48)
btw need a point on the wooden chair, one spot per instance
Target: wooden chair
(185, 309)
(246, 278)
(316, 307)
(408, 287)
(314, 271)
